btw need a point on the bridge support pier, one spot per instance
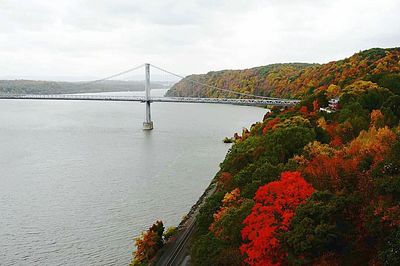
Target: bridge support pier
(147, 124)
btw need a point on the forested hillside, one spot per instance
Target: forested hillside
(308, 185)
(296, 79)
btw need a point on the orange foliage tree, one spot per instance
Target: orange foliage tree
(148, 244)
(377, 118)
(327, 172)
(275, 207)
(374, 143)
(230, 199)
(227, 220)
(340, 169)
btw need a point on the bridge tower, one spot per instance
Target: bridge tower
(147, 124)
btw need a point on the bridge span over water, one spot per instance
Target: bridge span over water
(81, 97)
(246, 98)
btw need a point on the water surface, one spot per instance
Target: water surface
(79, 180)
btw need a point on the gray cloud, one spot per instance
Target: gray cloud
(98, 37)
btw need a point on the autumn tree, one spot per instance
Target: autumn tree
(275, 205)
(374, 143)
(377, 119)
(148, 244)
(333, 91)
(224, 181)
(228, 219)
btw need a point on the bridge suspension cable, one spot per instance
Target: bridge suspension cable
(113, 76)
(86, 84)
(214, 87)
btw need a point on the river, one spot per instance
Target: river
(80, 179)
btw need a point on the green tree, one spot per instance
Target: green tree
(205, 216)
(230, 225)
(320, 226)
(387, 80)
(206, 249)
(391, 107)
(374, 98)
(283, 143)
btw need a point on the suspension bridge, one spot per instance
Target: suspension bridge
(246, 98)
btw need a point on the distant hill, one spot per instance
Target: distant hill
(56, 87)
(378, 65)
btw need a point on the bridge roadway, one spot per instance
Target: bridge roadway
(82, 97)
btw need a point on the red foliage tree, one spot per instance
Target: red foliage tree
(304, 110)
(275, 206)
(315, 106)
(336, 142)
(224, 181)
(331, 129)
(270, 124)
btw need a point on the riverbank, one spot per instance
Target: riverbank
(176, 252)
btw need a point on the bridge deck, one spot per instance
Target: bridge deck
(254, 102)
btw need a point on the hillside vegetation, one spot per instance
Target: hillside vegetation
(306, 186)
(296, 79)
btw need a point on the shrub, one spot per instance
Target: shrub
(170, 232)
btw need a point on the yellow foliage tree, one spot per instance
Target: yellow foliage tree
(333, 91)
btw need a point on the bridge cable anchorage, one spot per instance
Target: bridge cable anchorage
(214, 87)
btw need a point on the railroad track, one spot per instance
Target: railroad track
(172, 260)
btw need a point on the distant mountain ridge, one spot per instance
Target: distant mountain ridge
(296, 79)
(62, 87)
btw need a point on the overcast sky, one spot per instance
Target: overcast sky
(94, 38)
